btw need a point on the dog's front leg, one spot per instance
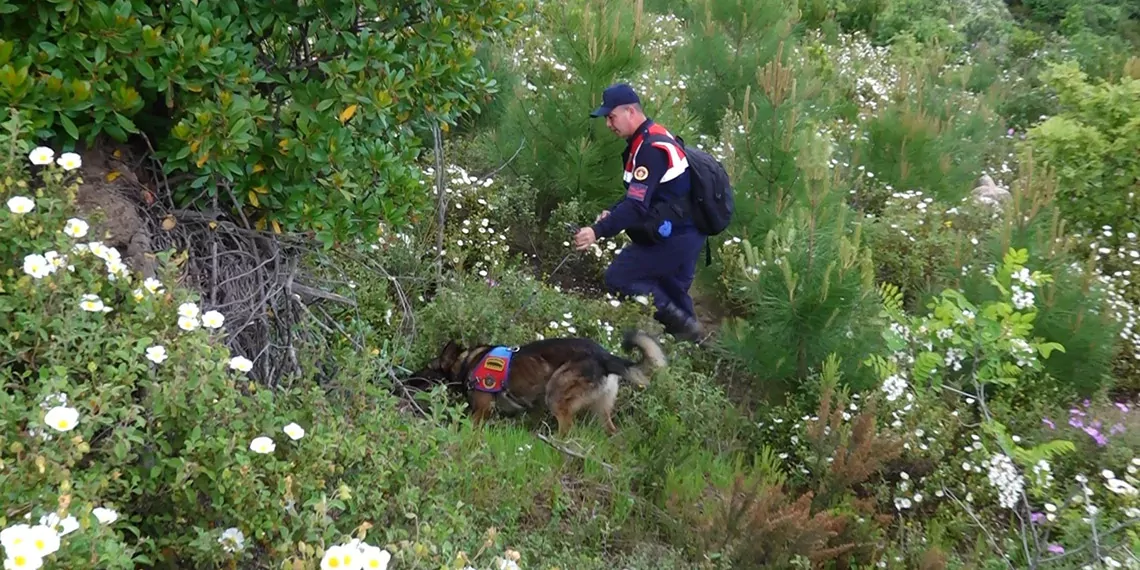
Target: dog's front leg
(482, 405)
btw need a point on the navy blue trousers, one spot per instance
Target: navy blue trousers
(665, 270)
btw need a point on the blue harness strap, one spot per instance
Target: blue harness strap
(493, 371)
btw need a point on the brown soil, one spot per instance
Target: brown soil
(109, 199)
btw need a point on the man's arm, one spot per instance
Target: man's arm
(635, 204)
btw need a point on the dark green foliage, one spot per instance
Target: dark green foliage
(305, 115)
(731, 43)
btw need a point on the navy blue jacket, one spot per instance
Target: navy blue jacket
(656, 170)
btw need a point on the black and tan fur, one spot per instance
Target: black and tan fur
(566, 375)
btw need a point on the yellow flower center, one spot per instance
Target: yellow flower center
(334, 563)
(20, 560)
(40, 544)
(62, 424)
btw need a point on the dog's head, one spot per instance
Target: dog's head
(446, 365)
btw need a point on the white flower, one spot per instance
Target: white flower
(21, 204)
(42, 540)
(37, 266)
(894, 386)
(105, 515)
(153, 285)
(55, 260)
(75, 228)
(212, 319)
(1120, 487)
(294, 431)
(156, 354)
(189, 310)
(241, 364)
(69, 161)
(15, 537)
(41, 155)
(375, 558)
(262, 445)
(642, 299)
(91, 303)
(232, 540)
(187, 323)
(504, 564)
(62, 418)
(1004, 476)
(23, 560)
(66, 525)
(341, 557)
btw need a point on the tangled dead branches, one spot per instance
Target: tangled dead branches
(254, 278)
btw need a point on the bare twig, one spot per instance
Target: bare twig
(986, 531)
(441, 197)
(573, 453)
(1086, 546)
(522, 144)
(322, 294)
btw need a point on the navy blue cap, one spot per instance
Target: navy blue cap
(615, 96)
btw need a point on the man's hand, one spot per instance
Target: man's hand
(584, 238)
(601, 216)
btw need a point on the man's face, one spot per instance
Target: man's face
(621, 121)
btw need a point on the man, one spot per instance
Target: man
(662, 260)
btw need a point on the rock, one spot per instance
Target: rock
(988, 193)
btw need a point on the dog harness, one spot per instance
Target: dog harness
(493, 371)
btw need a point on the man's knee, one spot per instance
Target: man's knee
(617, 278)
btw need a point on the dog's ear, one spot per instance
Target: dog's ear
(449, 354)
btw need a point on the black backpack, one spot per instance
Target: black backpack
(711, 202)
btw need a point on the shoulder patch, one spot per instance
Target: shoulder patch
(641, 173)
(637, 191)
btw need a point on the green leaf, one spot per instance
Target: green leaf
(100, 53)
(925, 364)
(144, 68)
(1047, 348)
(69, 126)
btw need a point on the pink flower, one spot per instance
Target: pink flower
(1056, 549)
(1049, 423)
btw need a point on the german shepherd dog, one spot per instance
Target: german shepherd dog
(565, 375)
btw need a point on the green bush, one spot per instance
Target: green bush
(305, 115)
(133, 435)
(1091, 147)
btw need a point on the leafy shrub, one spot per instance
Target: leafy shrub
(1089, 146)
(988, 357)
(136, 440)
(922, 246)
(267, 108)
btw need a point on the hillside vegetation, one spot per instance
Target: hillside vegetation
(233, 230)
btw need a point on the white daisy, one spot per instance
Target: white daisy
(262, 444)
(76, 228)
(41, 155)
(21, 204)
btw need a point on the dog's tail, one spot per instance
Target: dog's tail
(652, 357)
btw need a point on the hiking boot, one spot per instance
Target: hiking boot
(678, 323)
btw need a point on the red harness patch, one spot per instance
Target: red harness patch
(492, 372)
